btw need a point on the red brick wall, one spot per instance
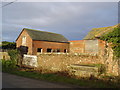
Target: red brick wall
(28, 41)
(101, 44)
(53, 45)
(77, 46)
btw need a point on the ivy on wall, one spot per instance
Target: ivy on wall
(114, 38)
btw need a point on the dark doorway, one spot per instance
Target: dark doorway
(39, 50)
(65, 50)
(49, 50)
(23, 49)
(58, 50)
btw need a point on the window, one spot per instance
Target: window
(65, 50)
(58, 50)
(49, 50)
(39, 50)
(24, 40)
(54, 50)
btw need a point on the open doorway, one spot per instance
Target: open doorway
(65, 50)
(49, 50)
(39, 50)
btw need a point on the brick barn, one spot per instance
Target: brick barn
(87, 46)
(91, 43)
(35, 42)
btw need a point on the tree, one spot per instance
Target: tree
(8, 45)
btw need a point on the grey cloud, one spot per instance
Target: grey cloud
(64, 18)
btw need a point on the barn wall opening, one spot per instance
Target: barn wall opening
(49, 50)
(65, 50)
(58, 50)
(39, 50)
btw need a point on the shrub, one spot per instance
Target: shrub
(8, 65)
(14, 55)
(8, 45)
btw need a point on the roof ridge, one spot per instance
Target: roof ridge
(100, 31)
(41, 31)
(107, 26)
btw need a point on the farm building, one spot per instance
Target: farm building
(34, 42)
(91, 42)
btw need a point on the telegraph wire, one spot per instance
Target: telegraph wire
(8, 4)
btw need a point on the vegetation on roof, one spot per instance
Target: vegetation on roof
(98, 32)
(45, 36)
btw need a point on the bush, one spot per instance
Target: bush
(8, 45)
(14, 55)
(8, 65)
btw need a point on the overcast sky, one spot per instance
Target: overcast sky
(71, 19)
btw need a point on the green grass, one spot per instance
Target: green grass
(91, 83)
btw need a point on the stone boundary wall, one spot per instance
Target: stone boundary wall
(59, 62)
(107, 57)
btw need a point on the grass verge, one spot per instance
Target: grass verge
(93, 83)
